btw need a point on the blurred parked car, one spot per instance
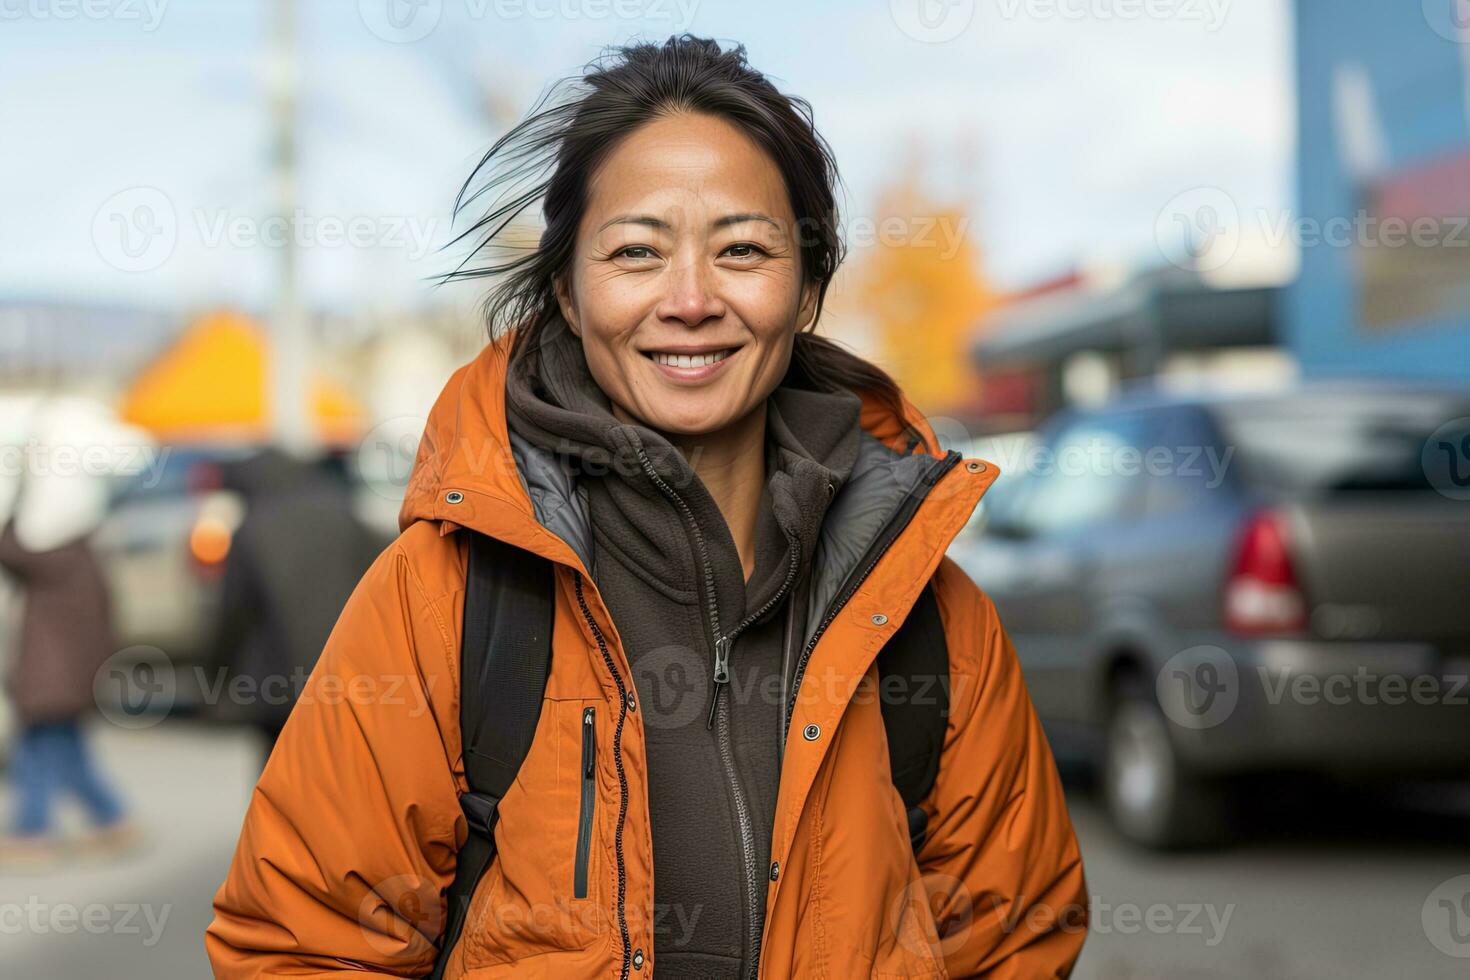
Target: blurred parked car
(1201, 588)
(163, 546)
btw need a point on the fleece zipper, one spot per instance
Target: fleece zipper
(721, 644)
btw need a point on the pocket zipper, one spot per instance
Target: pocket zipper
(589, 795)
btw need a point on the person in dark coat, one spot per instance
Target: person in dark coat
(293, 561)
(66, 634)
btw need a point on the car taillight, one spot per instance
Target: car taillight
(1262, 593)
(209, 545)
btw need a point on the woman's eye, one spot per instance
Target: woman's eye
(642, 252)
(745, 250)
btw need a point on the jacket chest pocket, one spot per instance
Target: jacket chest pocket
(543, 891)
(567, 809)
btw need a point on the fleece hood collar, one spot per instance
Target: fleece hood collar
(810, 445)
(471, 471)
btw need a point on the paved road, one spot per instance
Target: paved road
(1325, 891)
(142, 916)
(1340, 895)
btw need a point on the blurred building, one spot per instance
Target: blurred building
(210, 385)
(52, 344)
(1383, 182)
(1381, 230)
(1078, 342)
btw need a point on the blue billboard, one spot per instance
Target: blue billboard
(1383, 190)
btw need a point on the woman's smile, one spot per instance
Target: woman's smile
(689, 365)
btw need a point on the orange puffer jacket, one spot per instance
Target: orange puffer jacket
(350, 839)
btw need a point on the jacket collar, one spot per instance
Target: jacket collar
(471, 471)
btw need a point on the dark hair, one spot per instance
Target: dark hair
(552, 154)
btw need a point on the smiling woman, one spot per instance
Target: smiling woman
(710, 528)
(686, 313)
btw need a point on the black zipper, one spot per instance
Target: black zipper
(891, 530)
(793, 565)
(617, 748)
(722, 642)
(720, 673)
(589, 796)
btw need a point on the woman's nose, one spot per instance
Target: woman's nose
(691, 297)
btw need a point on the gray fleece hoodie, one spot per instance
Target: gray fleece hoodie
(667, 566)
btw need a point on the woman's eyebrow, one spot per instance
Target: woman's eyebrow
(735, 219)
(651, 221)
(635, 219)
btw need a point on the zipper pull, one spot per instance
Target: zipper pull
(720, 677)
(589, 750)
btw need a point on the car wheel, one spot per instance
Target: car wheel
(1152, 797)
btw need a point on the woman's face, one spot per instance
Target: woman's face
(686, 286)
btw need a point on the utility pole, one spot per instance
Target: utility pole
(289, 352)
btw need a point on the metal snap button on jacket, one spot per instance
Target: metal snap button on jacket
(811, 732)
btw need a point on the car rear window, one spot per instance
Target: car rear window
(1347, 442)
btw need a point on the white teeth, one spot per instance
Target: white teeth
(690, 360)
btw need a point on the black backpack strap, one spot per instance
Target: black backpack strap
(916, 705)
(505, 658)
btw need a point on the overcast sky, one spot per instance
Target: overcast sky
(1064, 126)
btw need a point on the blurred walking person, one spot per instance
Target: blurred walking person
(293, 562)
(65, 636)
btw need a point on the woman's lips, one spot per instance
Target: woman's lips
(691, 368)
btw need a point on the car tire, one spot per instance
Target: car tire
(1151, 795)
